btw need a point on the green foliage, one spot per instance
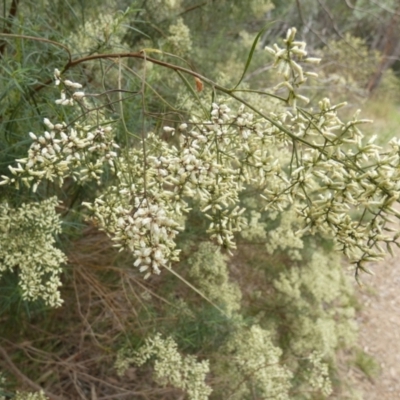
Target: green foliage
(367, 364)
(348, 66)
(210, 274)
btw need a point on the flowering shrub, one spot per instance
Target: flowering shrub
(313, 175)
(327, 172)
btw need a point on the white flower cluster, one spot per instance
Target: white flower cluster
(27, 243)
(179, 37)
(203, 168)
(284, 236)
(30, 396)
(164, 8)
(170, 367)
(320, 374)
(255, 231)
(338, 184)
(63, 151)
(64, 100)
(254, 364)
(319, 293)
(145, 228)
(292, 71)
(335, 177)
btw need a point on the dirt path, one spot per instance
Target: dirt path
(379, 324)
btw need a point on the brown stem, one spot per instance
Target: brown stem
(23, 378)
(38, 39)
(7, 29)
(192, 8)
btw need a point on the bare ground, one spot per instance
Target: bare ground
(379, 325)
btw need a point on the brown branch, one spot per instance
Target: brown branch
(7, 29)
(192, 8)
(140, 55)
(72, 63)
(38, 39)
(23, 378)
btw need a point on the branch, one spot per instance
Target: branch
(7, 29)
(38, 39)
(193, 8)
(23, 378)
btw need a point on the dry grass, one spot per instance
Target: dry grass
(70, 352)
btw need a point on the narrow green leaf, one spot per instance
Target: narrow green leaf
(250, 57)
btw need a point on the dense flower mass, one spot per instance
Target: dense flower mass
(307, 159)
(27, 244)
(62, 152)
(145, 228)
(326, 172)
(170, 367)
(256, 358)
